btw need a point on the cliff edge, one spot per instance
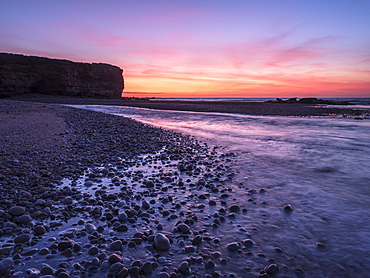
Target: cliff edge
(21, 75)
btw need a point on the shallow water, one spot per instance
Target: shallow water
(318, 165)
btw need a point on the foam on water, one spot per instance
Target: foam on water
(318, 165)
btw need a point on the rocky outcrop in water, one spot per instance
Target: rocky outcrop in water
(21, 74)
(309, 100)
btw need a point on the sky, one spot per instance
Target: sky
(204, 48)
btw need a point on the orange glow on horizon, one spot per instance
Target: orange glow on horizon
(190, 87)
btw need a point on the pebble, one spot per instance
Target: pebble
(146, 268)
(272, 269)
(233, 246)
(5, 265)
(183, 228)
(161, 242)
(184, 268)
(17, 210)
(209, 265)
(163, 275)
(67, 201)
(90, 228)
(23, 238)
(248, 243)
(288, 208)
(116, 245)
(47, 270)
(114, 258)
(145, 204)
(24, 219)
(197, 240)
(122, 216)
(39, 230)
(63, 245)
(93, 250)
(234, 208)
(122, 228)
(116, 267)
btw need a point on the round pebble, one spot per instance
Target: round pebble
(24, 219)
(234, 208)
(248, 243)
(17, 210)
(115, 245)
(233, 246)
(161, 242)
(23, 238)
(183, 228)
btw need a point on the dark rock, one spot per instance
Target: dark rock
(234, 208)
(183, 228)
(17, 210)
(65, 244)
(114, 258)
(115, 245)
(248, 243)
(272, 269)
(288, 208)
(5, 265)
(23, 238)
(184, 268)
(24, 219)
(161, 242)
(233, 246)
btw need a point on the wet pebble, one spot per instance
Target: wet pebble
(234, 208)
(63, 245)
(23, 238)
(184, 268)
(161, 242)
(183, 228)
(209, 265)
(47, 270)
(93, 250)
(90, 228)
(24, 219)
(39, 230)
(288, 208)
(197, 240)
(248, 243)
(5, 265)
(17, 210)
(116, 267)
(122, 216)
(114, 258)
(233, 246)
(163, 275)
(116, 245)
(272, 269)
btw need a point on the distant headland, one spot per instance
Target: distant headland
(20, 75)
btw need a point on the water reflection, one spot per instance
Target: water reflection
(319, 165)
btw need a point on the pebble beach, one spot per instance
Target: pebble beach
(87, 194)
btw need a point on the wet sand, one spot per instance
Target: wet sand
(248, 108)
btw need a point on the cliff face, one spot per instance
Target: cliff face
(29, 74)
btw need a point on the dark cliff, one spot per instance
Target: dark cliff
(21, 74)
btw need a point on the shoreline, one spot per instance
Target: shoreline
(78, 199)
(246, 108)
(88, 194)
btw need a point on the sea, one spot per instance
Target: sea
(318, 165)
